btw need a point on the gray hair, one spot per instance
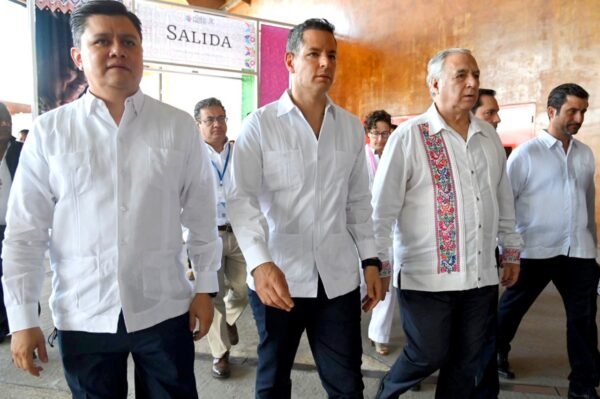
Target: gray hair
(435, 66)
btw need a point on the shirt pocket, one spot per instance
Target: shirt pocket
(76, 285)
(289, 252)
(71, 173)
(282, 169)
(163, 276)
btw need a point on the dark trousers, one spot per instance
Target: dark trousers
(333, 330)
(576, 280)
(488, 386)
(95, 364)
(3, 318)
(445, 331)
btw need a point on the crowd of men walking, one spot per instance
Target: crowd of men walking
(299, 219)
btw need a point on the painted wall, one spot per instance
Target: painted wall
(524, 49)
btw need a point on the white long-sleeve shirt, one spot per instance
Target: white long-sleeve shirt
(115, 198)
(221, 167)
(300, 202)
(554, 197)
(451, 200)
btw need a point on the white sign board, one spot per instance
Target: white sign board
(186, 36)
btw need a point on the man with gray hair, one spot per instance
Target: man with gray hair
(442, 181)
(232, 298)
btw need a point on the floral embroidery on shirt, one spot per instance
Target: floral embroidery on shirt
(446, 214)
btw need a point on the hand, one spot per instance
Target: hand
(271, 286)
(22, 345)
(374, 290)
(385, 285)
(510, 274)
(202, 311)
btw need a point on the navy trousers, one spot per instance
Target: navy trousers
(333, 330)
(445, 331)
(577, 281)
(3, 318)
(95, 364)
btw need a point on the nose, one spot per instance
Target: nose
(473, 81)
(497, 118)
(579, 117)
(117, 49)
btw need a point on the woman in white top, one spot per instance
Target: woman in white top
(378, 127)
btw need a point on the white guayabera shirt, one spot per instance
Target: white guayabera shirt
(300, 202)
(115, 198)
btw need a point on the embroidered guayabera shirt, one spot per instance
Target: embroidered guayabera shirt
(115, 198)
(300, 202)
(452, 203)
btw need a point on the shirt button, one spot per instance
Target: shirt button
(123, 208)
(477, 198)
(472, 172)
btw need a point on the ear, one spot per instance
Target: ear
(551, 112)
(289, 62)
(434, 88)
(76, 56)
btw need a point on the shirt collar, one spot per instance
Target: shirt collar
(437, 123)
(91, 102)
(550, 141)
(286, 105)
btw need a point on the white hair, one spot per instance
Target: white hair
(435, 66)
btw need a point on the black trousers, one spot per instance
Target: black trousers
(95, 364)
(577, 281)
(445, 331)
(333, 330)
(3, 318)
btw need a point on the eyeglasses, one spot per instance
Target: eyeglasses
(212, 119)
(383, 135)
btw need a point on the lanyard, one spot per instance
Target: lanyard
(219, 173)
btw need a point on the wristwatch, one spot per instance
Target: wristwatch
(371, 262)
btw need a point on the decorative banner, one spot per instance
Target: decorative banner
(185, 36)
(274, 76)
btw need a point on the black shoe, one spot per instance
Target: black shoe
(504, 370)
(220, 367)
(232, 331)
(589, 393)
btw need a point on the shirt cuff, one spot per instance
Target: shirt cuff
(206, 282)
(511, 255)
(22, 317)
(386, 269)
(366, 249)
(255, 256)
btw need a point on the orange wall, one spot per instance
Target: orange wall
(524, 49)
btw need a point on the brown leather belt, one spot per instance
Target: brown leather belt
(225, 227)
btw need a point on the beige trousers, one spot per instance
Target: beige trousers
(232, 298)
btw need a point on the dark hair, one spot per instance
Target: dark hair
(558, 95)
(207, 102)
(482, 92)
(377, 116)
(80, 15)
(4, 109)
(295, 37)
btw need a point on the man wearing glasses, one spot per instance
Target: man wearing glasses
(232, 297)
